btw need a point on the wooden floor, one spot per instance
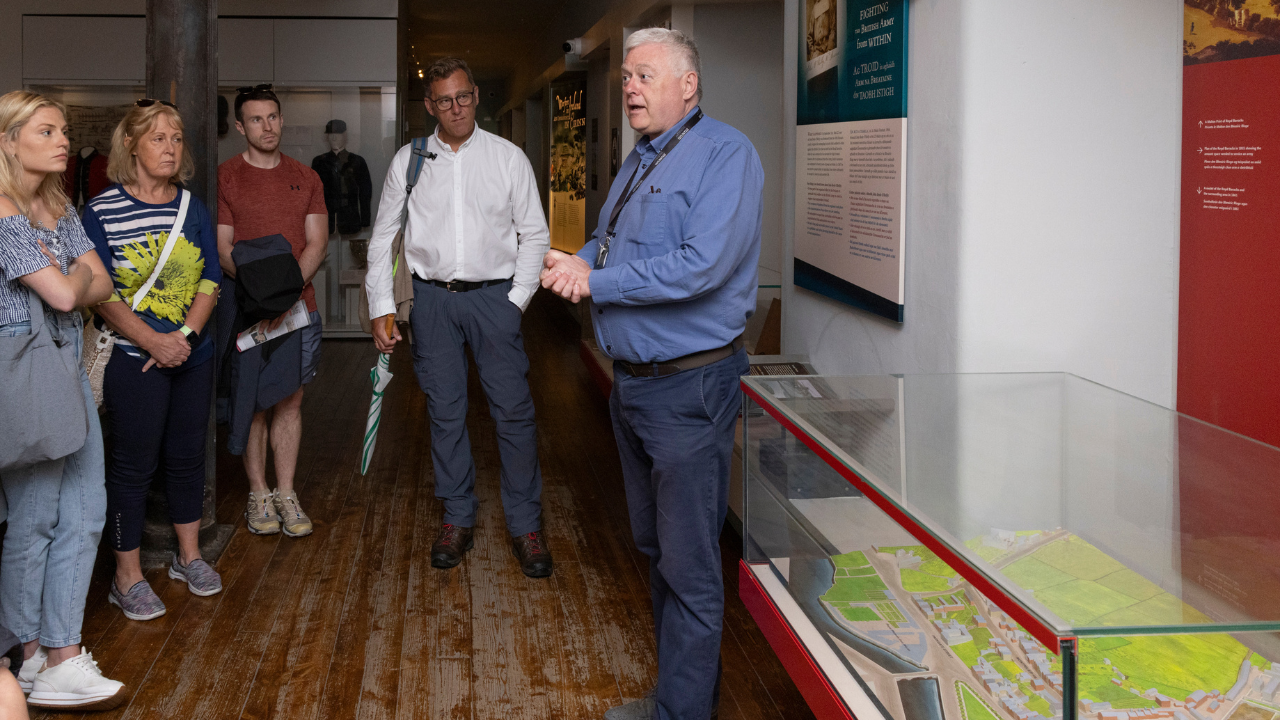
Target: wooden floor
(354, 622)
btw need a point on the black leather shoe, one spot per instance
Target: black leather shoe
(533, 554)
(452, 542)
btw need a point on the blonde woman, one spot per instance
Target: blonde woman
(56, 508)
(159, 380)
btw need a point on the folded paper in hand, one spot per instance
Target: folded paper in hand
(258, 333)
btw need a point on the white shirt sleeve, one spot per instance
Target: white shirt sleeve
(533, 235)
(378, 281)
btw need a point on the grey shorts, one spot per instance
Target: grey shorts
(311, 347)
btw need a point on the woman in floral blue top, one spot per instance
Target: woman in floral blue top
(159, 382)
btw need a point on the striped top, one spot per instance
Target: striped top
(130, 235)
(20, 255)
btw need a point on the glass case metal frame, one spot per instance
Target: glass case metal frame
(1048, 629)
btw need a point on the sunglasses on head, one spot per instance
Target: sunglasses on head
(148, 102)
(247, 89)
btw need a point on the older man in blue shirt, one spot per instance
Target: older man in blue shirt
(672, 271)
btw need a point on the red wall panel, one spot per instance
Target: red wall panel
(1229, 304)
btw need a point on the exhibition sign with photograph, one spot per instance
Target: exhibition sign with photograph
(1228, 308)
(851, 117)
(568, 167)
(1229, 314)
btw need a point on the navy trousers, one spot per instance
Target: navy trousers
(675, 440)
(158, 421)
(444, 323)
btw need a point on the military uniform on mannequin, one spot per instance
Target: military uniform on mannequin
(86, 176)
(348, 190)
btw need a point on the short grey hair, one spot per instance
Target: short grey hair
(685, 50)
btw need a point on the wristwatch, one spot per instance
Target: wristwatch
(193, 337)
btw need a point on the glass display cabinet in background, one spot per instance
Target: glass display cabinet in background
(1012, 547)
(347, 133)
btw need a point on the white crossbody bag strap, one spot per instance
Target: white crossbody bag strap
(170, 242)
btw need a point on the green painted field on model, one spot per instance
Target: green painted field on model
(853, 559)
(934, 579)
(995, 554)
(868, 588)
(930, 564)
(890, 612)
(1083, 585)
(972, 706)
(915, 581)
(859, 613)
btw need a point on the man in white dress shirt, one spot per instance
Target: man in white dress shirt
(474, 242)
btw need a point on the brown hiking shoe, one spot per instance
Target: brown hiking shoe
(450, 545)
(533, 554)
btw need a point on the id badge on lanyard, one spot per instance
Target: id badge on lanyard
(602, 255)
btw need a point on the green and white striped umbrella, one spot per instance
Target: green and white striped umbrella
(379, 375)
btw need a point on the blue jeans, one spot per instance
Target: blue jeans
(56, 513)
(15, 329)
(675, 441)
(444, 323)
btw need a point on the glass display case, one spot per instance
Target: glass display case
(1010, 546)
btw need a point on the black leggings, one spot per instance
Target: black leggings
(154, 415)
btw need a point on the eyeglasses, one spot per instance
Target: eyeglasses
(464, 99)
(247, 89)
(148, 102)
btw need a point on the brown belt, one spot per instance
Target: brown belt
(687, 362)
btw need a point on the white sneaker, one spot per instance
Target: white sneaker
(30, 667)
(76, 683)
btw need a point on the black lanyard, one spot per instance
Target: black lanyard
(603, 254)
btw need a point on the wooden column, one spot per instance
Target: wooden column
(182, 68)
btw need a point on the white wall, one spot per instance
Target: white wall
(1042, 221)
(739, 44)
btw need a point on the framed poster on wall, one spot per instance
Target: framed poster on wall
(851, 118)
(568, 167)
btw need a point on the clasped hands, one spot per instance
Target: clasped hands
(167, 350)
(566, 275)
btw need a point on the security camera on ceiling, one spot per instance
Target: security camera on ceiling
(573, 47)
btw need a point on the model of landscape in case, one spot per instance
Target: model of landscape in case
(1020, 547)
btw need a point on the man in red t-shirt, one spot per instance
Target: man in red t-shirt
(265, 192)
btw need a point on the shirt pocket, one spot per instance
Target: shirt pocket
(652, 223)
